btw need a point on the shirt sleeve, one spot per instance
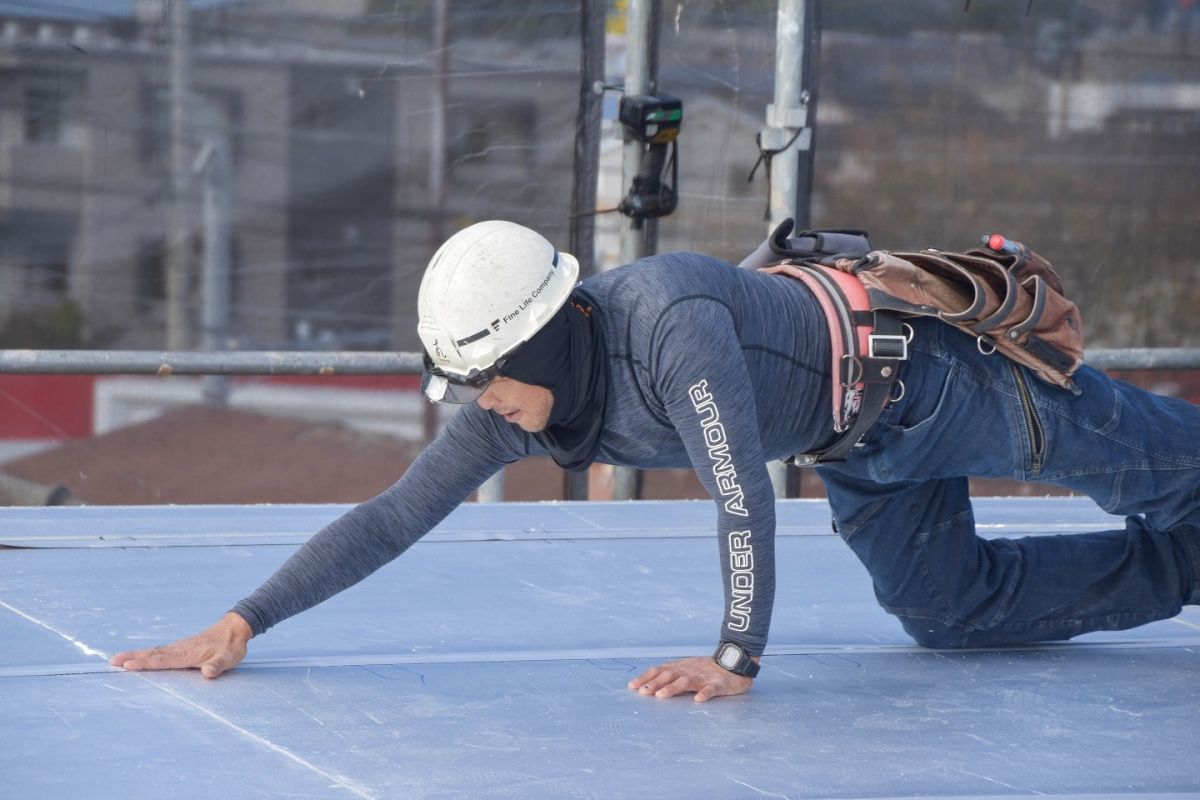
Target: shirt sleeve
(707, 394)
(466, 453)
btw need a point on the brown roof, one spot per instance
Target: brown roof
(200, 454)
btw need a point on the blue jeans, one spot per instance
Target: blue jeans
(901, 502)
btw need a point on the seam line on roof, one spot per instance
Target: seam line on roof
(614, 654)
(70, 542)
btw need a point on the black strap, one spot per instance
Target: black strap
(879, 374)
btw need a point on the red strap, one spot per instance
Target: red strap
(845, 398)
(856, 293)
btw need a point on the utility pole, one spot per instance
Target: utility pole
(492, 490)
(788, 134)
(437, 130)
(178, 248)
(636, 235)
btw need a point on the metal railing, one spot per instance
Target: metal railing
(1143, 358)
(290, 362)
(187, 362)
(276, 362)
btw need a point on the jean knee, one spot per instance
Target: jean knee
(933, 634)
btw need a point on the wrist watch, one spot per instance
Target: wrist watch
(732, 657)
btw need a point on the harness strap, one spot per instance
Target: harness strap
(866, 347)
(880, 368)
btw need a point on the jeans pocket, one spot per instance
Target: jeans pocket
(921, 438)
(924, 399)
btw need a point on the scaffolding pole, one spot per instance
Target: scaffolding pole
(214, 164)
(179, 226)
(787, 137)
(582, 242)
(636, 235)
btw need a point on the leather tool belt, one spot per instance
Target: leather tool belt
(1007, 297)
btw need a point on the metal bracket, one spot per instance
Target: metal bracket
(778, 139)
(787, 116)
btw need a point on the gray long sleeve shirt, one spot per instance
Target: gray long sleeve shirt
(710, 367)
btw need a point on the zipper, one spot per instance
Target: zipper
(1037, 436)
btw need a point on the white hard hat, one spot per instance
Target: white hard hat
(486, 291)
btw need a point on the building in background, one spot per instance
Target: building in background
(1071, 126)
(328, 124)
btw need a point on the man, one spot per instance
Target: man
(680, 359)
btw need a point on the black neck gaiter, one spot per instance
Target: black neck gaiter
(568, 357)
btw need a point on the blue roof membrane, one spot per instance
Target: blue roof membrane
(491, 661)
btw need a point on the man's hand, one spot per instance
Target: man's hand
(214, 650)
(701, 675)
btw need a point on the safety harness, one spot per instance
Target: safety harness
(866, 345)
(1006, 296)
(866, 348)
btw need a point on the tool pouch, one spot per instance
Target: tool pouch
(1012, 303)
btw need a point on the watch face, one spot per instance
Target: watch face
(730, 655)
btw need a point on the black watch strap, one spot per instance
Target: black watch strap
(732, 657)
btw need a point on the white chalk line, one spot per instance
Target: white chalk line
(760, 791)
(87, 651)
(997, 782)
(339, 780)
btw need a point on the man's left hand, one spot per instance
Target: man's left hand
(701, 675)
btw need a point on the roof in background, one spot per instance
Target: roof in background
(201, 454)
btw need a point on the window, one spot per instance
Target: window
(150, 281)
(37, 245)
(49, 111)
(48, 277)
(43, 115)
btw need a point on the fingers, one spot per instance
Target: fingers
(678, 686)
(133, 659)
(211, 665)
(644, 678)
(159, 658)
(213, 651)
(699, 675)
(654, 680)
(120, 658)
(660, 680)
(221, 662)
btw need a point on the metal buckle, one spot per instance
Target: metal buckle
(882, 337)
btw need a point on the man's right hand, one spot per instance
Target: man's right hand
(213, 651)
